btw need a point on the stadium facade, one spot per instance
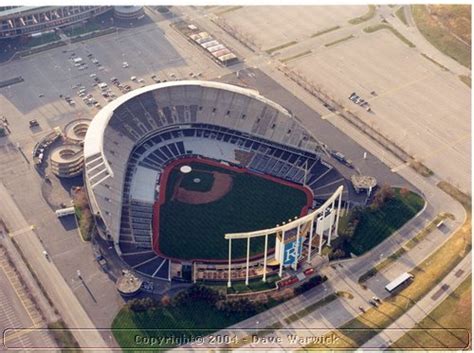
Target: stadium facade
(17, 21)
(132, 139)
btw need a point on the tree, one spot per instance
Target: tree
(165, 300)
(404, 191)
(142, 304)
(384, 194)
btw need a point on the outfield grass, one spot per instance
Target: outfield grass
(440, 37)
(447, 326)
(376, 225)
(197, 231)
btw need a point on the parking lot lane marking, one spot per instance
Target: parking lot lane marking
(17, 291)
(15, 335)
(21, 231)
(435, 151)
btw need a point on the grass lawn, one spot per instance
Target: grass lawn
(76, 30)
(380, 26)
(255, 285)
(401, 15)
(197, 231)
(451, 19)
(370, 13)
(41, 40)
(450, 323)
(466, 80)
(410, 244)
(282, 46)
(376, 225)
(339, 41)
(311, 308)
(197, 318)
(63, 336)
(324, 31)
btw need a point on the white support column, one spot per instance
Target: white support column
(282, 255)
(311, 229)
(248, 259)
(169, 270)
(229, 282)
(338, 211)
(265, 259)
(320, 239)
(331, 223)
(295, 264)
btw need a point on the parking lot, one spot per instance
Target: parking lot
(414, 102)
(18, 314)
(52, 80)
(269, 27)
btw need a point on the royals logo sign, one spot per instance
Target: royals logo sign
(292, 251)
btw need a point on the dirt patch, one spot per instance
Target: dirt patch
(222, 185)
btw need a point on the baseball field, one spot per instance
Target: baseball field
(198, 208)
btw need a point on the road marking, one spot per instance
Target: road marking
(17, 334)
(21, 231)
(434, 152)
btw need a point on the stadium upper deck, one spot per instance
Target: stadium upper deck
(18, 21)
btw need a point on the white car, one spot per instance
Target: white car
(125, 64)
(133, 78)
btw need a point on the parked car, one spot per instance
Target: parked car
(34, 123)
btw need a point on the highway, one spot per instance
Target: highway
(58, 290)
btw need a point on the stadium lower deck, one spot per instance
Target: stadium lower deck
(215, 143)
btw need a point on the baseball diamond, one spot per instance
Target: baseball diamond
(237, 201)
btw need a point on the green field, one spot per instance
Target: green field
(197, 231)
(197, 318)
(197, 311)
(447, 326)
(376, 225)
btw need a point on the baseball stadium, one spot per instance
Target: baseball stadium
(200, 180)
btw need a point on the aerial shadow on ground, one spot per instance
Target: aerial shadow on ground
(68, 222)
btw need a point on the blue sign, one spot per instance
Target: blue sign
(292, 251)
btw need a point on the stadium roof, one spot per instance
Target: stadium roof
(19, 9)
